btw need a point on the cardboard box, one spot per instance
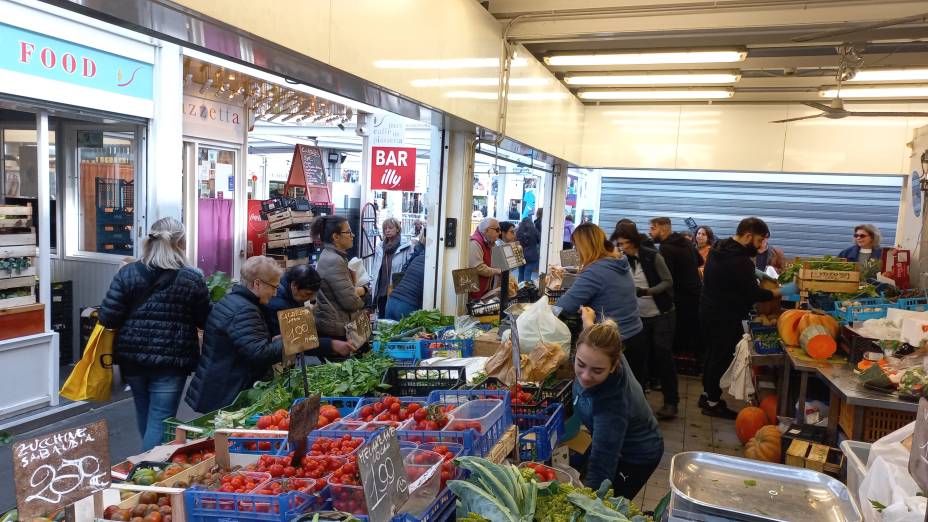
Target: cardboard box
(796, 454)
(487, 344)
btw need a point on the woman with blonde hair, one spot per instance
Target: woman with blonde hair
(627, 444)
(156, 305)
(390, 257)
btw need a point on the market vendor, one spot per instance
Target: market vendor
(866, 245)
(297, 287)
(627, 444)
(479, 251)
(238, 348)
(730, 289)
(606, 285)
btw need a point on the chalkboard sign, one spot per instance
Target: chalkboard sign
(298, 329)
(58, 469)
(570, 258)
(507, 256)
(465, 280)
(313, 168)
(918, 456)
(383, 476)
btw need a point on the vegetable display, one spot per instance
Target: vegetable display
(418, 320)
(824, 263)
(565, 503)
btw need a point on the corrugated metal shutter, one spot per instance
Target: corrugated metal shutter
(805, 219)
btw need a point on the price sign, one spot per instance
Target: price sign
(298, 329)
(507, 256)
(570, 258)
(918, 456)
(303, 418)
(58, 469)
(383, 476)
(466, 280)
(313, 168)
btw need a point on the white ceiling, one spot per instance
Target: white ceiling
(779, 67)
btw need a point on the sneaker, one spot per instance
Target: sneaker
(667, 412)
(703, 401)
(720, 410)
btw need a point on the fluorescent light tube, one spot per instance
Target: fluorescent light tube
(645, 58)
(652, 79)
(478, 82)
(694, 94)
(890, 75)
(902, 91)
(451, 63)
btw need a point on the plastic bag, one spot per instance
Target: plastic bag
(539, 324)
(92, 376)
(360, 273)
(737, 378)
(893, 487)
(891, 449)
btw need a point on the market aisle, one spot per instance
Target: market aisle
(690, 431)
(123, 434)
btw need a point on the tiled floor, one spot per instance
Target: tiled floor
(690, 431)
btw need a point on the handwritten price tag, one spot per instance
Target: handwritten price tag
(55, 470)
(465, 280)
(298, 329)
(383, 476)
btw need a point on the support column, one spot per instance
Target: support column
(164, 162)
(44, 201)
(552, 220)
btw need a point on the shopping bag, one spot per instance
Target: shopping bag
(92, 376)
(539, 324)
(738, 379)
(358, 331)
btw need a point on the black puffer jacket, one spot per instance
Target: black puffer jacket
(283, 301)
(684, 261)
(237, 351)
(160, 333)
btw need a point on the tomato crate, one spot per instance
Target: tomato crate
(346, 405)
(204, 505)
(418, 382)
(367, 401)
(484, 442)
(465, 439)
(274, 444)
(539, 434)
(446, 348)
(405, 353)
(201, 426)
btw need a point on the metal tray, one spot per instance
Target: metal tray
(721, 485)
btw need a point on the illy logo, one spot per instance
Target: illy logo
(390, 178)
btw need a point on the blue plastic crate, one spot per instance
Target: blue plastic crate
(539, 434)
(406, 353)
(863, 309)
(451, 347)
(915, 304)
(467, 439)
(205, 505)
(765, 347)
(272, 445)
(346, 405)
(483, 442)
(364, 401)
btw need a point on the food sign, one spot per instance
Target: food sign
(58, 469)
(298, 329)
(383, 476)
(570, 258)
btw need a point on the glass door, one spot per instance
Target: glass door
(214, 182)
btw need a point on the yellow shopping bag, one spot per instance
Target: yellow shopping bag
(93, 374)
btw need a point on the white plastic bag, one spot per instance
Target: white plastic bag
(360, 273)
(539, 324)
(737, 378)
(891, 449)
(892, 487)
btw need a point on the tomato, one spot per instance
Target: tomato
(276, 470)
(413, 407)
(263, 422)
(367, 411)
(395, 407)
(378, 407)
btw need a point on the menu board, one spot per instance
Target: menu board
(570, 258)
(298, 329)
(58, 469)
(313, 167)
(383, 476)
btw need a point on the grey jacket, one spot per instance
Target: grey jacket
(400, 258)
(336, 300)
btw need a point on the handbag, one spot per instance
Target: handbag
(92, 377)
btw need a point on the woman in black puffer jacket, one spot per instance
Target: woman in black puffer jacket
(156, 306)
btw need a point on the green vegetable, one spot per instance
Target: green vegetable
(877, 505)
(218, 283)
(750, 483)
(555, 506)
(424, 319)
(498, 492)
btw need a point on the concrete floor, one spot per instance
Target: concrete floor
(690, 431)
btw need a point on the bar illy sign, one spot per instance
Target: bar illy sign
(393, 168)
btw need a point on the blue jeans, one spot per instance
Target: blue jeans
(528, 271)
(398, 309)
(156, 399)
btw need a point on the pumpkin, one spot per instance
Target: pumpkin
(769, 405)
(771, 307)
(819, 318)
(817, 342)
(765, 445)
(788, 326)
(749, 420)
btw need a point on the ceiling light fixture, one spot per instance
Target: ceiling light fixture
(513, 96)
(901, 91)
(478, 82)
(452, 63)
(890, 75)
(655, 78)
(647, 58)
(692, 94)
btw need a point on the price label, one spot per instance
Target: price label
(918, 456)
(570, 258)
(507, 256)
(298, 329)
(465, 280)
(383, 476)
(58, 469)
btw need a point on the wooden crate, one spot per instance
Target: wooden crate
(287, 234)
(834, 281)
(286, 262)
(16, 238)
(25, 283)
(878, 422)
(290, 242)
(29, 271)
(19, 321)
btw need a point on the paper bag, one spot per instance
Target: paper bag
(500, 365)
(542, 361)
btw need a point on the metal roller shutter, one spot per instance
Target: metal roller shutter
(805, 219)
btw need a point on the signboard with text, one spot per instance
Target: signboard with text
(58, 469)
(383, 475)
(298, 329)
(393, 168)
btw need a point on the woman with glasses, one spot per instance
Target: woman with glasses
(339, 297)
(238, 348)
(391, 255)
(866, 245)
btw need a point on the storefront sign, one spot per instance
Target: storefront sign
(383, 475)
(388, 131)
(393, 168)
(214, 120)
(57, 469)
(34, 54)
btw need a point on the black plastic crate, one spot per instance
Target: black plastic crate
(404, 381)
(114, 216)
(561, 392)
(124, 249)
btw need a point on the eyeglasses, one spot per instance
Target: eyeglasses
(269, 285)
(349, 232)
(493, 228)
(861, 235)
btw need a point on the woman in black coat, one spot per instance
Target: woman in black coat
(156, 306)
(238, 349)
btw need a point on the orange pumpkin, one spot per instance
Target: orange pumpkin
(817, 341)
(769, 405)
(788, 326)
(818, 318)
(765, 445)
(749, 420)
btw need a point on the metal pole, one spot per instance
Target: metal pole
(45, 272)
(503, 294)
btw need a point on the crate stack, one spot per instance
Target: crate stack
(19, 313)
(115, 204)
(63, 319)
(289, 239)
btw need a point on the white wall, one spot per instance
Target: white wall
(741, 137)
(911, 230)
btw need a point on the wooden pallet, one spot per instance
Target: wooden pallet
(287, 234)
(290, 242)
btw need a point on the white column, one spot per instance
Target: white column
(552, 221)
(165, 139)
(45, 264)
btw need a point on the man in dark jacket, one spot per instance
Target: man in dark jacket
(684, 261)
(730, 290)
(406, 297)
(297, 286)
(237, 345)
